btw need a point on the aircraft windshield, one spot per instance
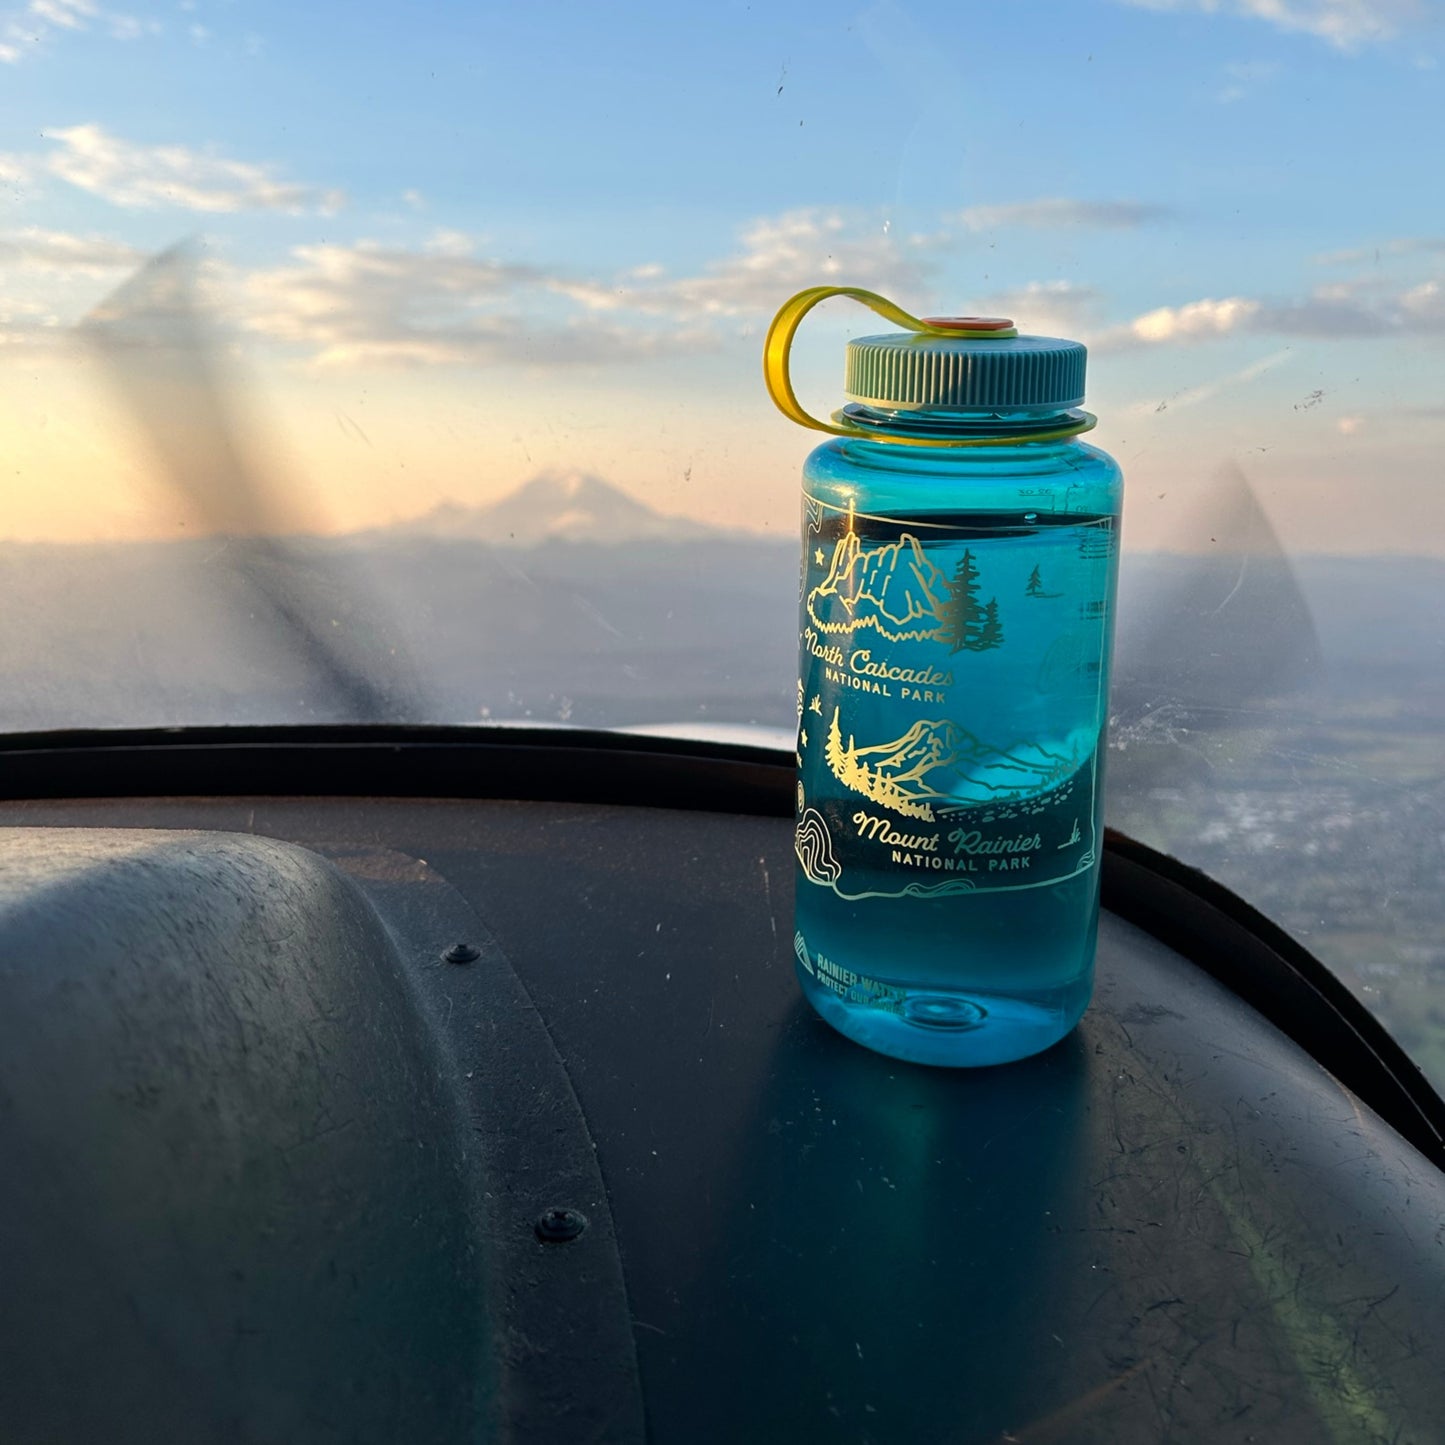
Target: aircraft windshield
(404, 366)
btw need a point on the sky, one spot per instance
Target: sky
(441, 248)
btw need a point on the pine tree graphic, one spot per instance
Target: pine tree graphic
(962, 615)
(1035, 586)
(991, 633)
(834, 754)
(968, 625)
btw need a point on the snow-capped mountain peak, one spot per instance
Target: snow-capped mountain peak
(557, 506)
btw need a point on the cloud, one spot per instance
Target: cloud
(1424, 305)
(776, 255)
(147, 177)
(1244, 76)
(28, 328)
(1345, 24)
(49, 273)
(24, 29)
(1329, 314)
(59, 252)
(370, 304)
(65, 14)
(1057, 213)
(1191, 322)
(25, 323)
(447, 242)
(1327, 318)
(1047, 308)
(442, 304)
(1399, 246)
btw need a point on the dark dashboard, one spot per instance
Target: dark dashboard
(421, 1088)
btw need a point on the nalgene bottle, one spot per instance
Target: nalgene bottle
(960, 552)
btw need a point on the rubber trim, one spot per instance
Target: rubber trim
(1199, 918)
(536, 765)
(1254, 958)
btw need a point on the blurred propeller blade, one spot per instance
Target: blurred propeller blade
(1217, 629)
(167, 365)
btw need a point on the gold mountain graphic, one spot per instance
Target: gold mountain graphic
(893, 589)
(941, 761)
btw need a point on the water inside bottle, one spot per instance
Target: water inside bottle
(951, 700)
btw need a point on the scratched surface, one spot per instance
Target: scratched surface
(1174, 1226)
(231, 1158)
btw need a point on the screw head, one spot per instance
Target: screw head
(462, 953)
(558, 1225)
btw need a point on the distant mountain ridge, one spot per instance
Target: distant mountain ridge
(557, 506)
(941, 760)
(947, 744)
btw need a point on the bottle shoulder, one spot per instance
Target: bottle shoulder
(1068, 475)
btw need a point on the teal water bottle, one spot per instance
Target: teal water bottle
(960, 556)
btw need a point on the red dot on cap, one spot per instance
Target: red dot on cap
(968, 323)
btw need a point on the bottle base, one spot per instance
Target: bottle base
(954, 1030)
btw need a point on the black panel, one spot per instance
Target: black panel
(236, 1202)
(560, 1329)
(251, 1193)
(1175, 1225)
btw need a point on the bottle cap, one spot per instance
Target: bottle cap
(905, 370)
(973, 363)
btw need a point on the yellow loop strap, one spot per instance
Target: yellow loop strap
(779, 344)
